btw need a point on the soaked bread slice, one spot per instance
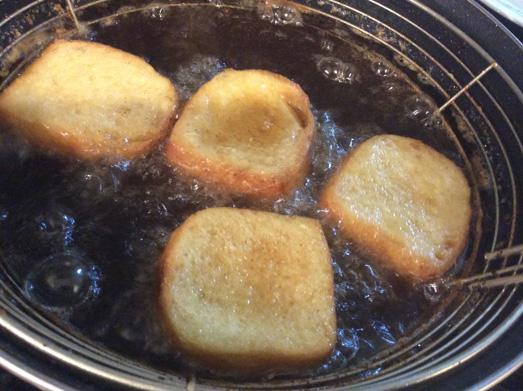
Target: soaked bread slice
(403, 204)
(246, 133)
(90, 100)
(249, 291)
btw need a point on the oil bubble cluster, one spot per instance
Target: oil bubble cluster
(418, 109)
(381, 69)
(336, 70)
(158, 12)
(189, 76)
(279, 14)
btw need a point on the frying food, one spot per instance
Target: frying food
(245, 132)
(403, 204)
(249, 291)
(90, 100)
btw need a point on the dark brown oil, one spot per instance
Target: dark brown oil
(112, 221)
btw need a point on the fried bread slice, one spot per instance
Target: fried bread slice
(249, 291)
(245, 133)
(90, 101)
(403, 204)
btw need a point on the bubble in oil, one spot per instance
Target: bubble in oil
(381, 69)
(391, 86)
(93, 182)
(191, 75)
(433, 121)
(384, 332)
(337, 360)
(328, 149)
(336, 70)
(158, 12)
(63, 281)
(301, 202)
(433, 292)
(122, 165)
(348, 342)
(327, 45)
(103, 180)
(418, 109)
(56, 224)
(279, 14)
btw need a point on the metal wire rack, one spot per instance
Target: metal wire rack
(472, 322)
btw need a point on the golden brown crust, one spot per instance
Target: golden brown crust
(225, 174)
(230, 180)
(69, 145)
(84, 142)
(254, 360)
(373, 241)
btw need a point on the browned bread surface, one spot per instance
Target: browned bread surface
(245, 132)
(90, 100)
(249, 291)
(403, 204)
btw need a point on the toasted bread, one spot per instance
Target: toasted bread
(246, 133)
(90, 100)
(249, 291)
(403, 204)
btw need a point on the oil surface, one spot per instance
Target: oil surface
(84, 239)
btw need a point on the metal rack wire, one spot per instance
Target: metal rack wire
(500, 277)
